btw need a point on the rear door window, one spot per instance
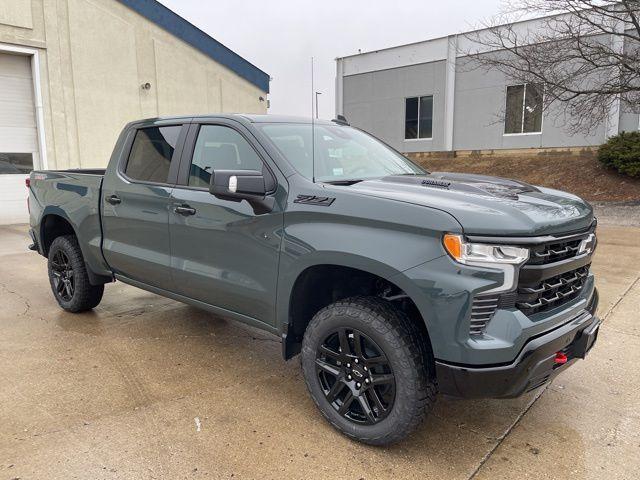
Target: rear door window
(151, 154)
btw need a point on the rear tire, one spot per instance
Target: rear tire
(68, 276)
(366, 366)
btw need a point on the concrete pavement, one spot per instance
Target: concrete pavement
(624, 214)
(144, 387)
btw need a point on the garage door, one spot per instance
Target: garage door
(18, 136)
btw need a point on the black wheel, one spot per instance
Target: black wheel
(68, 276)
(365, 364)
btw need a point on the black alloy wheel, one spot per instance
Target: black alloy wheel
(355, 376)
(369, 369)
(63, 276)
(68, 276)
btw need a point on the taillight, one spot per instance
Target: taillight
(27, 182)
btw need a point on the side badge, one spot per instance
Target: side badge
(314, 200)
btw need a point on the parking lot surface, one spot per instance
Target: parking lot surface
(144, 387)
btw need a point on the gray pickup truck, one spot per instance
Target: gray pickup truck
(391, 282)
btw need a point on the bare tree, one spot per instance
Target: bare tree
(586, 54)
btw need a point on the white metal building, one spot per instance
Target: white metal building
(20, 115)
(423, 97)
(74, 72)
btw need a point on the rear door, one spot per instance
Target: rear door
(223, 252)
(136, 197)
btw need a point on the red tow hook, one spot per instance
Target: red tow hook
(560, 359)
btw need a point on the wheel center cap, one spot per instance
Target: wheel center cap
(357, 372)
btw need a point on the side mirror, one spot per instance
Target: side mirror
(238, 185)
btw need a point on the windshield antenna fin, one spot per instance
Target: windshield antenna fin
(313, 135)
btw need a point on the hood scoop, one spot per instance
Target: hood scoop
(430, 182)
(468, 183)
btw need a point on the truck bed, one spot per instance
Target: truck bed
(74, 195)
(81, 171)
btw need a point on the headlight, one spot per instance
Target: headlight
(480, 253)
(501, 257)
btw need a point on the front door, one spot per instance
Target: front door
(222, 252)
(136, 198)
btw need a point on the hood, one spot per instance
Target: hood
(486, 205)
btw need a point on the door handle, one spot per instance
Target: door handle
(184, 210)
(113, 199)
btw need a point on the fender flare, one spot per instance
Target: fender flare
(54, 210)
(290, 277)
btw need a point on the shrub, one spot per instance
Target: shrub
(622, 152)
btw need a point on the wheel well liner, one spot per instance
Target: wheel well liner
(51, 227)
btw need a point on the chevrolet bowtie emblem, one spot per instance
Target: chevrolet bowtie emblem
(588, 245)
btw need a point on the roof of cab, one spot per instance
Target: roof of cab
(268, 118)
(251, 118)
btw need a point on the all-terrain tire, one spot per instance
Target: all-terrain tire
(407, 351)
(84, 296)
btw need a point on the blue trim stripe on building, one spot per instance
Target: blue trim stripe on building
(181, 28)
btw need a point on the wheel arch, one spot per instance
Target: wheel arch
(318, 284)
(54, 223)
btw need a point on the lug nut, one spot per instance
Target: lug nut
(356, 360)
(358, 385)
(348, 365)
(366, 380)
(349, 377)
(365, 368)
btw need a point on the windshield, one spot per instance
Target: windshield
(341, 153)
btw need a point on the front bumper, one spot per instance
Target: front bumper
(534, 366)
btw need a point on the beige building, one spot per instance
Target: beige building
(74, 72)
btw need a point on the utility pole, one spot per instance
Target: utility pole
(317, 93)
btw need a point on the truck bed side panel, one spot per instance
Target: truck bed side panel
(75, 197)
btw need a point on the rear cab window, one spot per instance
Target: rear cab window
(151, 153)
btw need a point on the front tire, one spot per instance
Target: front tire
(68, 276)
(365, 365)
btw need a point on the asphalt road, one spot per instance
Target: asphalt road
(144, 387)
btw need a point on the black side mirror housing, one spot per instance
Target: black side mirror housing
(238, 185)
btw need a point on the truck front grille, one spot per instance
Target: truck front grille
(551, 292)
(555, 273)
(553, 252)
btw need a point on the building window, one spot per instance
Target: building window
(523, 113)
(418, 117)
(20, 163)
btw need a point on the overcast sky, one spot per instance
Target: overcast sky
(280, 36)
